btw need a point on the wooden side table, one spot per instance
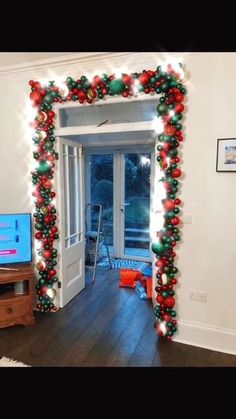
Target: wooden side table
(16, 295)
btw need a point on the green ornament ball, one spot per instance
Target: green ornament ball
(162, 109)
(164, 87)
(175, 119)
(48, 145)
(167, 247)
(43, 167)
(116, 86)
(39, 226)
(158, 248)
(69, 80)
(48, 98)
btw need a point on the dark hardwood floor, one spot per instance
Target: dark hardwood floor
(103, 326)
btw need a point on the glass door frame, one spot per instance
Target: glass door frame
(119, 191)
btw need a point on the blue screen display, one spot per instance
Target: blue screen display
(15, 238)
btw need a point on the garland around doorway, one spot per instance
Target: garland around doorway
(170, 109)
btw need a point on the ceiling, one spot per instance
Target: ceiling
(12, 58)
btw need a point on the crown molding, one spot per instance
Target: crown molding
(82, 62)
(40, 68)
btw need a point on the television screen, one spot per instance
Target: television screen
(15, 238)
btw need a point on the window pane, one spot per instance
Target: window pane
(101, 192)
(137, 204)
(118, 113)
(65, 194)
(72, 200)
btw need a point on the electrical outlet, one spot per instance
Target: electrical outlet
(198, 295)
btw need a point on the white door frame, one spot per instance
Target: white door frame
(109, 128)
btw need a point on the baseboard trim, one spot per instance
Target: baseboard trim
(208, 337)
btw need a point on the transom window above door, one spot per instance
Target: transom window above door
(107, 113)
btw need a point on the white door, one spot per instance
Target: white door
(71, 210)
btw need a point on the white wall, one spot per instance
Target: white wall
(15, 149)
(207, 254)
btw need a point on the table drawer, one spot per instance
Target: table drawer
(14, 309)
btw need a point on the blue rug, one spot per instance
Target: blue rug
(124, 264)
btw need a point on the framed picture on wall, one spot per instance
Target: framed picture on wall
(226, 155)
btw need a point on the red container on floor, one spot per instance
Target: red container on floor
(148, 280)
(128, 278)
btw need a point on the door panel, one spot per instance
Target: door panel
(101, 192)
(137, 170)
(72, 246)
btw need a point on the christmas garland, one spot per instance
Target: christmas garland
(170, 109)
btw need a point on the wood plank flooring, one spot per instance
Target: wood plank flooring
(104, 326)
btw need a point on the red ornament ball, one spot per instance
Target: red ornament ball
(179, 97)
(47, 184)
(144, 79)
(126, 79)
(47, 254)
(179, 108)
(166, 317)
(38, 235)
(175, 221)
(169, 130)
(35, 96)
(169, 302)
(169, 205)
(177, 201)
(176, 173)
(159, 299)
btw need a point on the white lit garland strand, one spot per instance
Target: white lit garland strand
(170, 109)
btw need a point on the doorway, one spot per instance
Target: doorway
(120, 179)
(115, 167)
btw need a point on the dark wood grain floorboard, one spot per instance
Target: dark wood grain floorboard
(103, 326)
(109, 338)
(123, 351)
(146, 347)
(78, 321)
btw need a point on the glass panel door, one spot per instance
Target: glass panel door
(101, 192)
(137, 172)
(120, 182)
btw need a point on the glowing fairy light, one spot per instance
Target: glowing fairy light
(145, 161)
(157, 216)
(51, 292)
(60, 82)
(136, 86)
(162, 327)
(157, 125)
(175, 65)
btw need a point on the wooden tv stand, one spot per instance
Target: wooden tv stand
(16, 308)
